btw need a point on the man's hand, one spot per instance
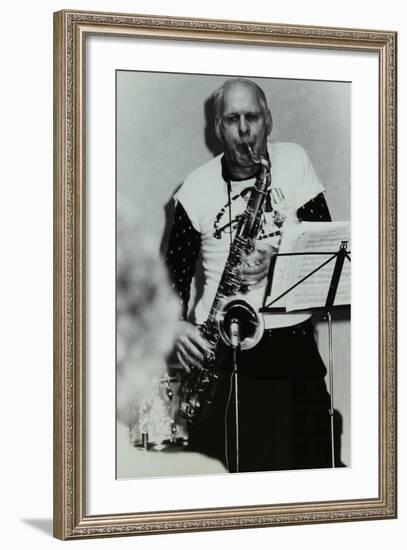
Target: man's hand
(255, 266)
(190, 346)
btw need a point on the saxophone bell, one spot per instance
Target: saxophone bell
(237, 310)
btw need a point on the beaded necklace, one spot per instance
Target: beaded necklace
(234, 222)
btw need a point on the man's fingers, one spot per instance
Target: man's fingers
(255, 272)
(197, 340)
(256, 254)
(253, 277)
(183, 362)
(191, 348)
(253, 269)
(189, 356)
(191, 333)
(200, 341)
(255, 266)
(262, 253)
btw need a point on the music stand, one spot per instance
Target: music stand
(340, 256)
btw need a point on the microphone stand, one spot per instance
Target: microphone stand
(236, 388)
(235, 345)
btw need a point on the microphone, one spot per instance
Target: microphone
(234, 333)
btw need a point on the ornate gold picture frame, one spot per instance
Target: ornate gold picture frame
(72, 515)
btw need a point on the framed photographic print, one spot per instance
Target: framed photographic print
(225, 274)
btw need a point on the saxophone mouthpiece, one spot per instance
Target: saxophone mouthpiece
(250, 151)
(255, 158)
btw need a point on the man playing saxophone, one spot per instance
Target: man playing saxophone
(283, 402)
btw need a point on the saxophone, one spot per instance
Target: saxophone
(229, 305)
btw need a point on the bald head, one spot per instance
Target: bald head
(232, 83)
(241, 117)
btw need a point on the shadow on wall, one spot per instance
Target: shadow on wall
(211, 140)
(338, 429)
(169, 210)
(215, 147)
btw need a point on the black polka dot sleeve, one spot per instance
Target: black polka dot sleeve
(183, 250)
(315, 210)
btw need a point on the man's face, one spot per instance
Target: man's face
(242, 120)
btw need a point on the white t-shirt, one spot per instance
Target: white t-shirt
(204, 196)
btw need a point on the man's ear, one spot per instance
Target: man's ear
(218, 129)
(269, 122)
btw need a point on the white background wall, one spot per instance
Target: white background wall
(26, 289)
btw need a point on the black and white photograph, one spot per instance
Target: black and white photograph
(233, 274)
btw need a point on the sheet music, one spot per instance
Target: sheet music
(311, 293)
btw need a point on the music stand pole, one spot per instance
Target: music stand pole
(336, 275)
(331, 386)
